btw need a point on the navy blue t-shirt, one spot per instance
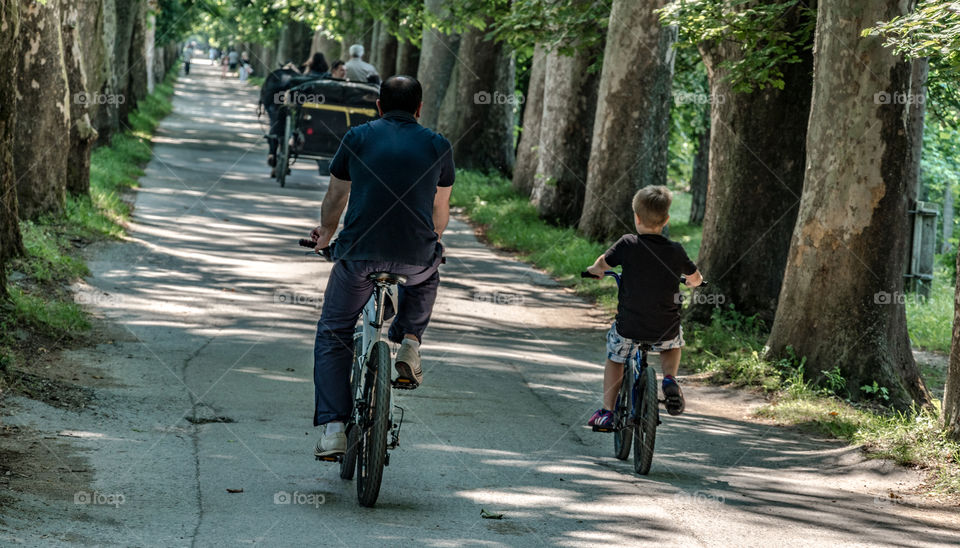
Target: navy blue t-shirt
(395, 166)
(648, 309)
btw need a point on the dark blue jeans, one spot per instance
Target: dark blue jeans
(348, 290)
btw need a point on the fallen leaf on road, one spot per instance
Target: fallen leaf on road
(240, 490)
(489, 515)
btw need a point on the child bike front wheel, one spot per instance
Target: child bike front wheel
(623, 435)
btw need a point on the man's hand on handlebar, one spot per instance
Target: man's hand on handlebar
(322, 236)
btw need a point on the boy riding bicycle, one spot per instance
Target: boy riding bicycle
(648, 310)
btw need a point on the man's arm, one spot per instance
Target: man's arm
(331, 209)
(441, 209)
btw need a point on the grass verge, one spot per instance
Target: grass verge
(41, 308)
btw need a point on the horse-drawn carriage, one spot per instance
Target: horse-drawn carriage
(311, 115)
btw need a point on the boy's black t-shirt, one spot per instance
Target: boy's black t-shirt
(649, 309)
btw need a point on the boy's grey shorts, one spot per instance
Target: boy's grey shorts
(619, 348)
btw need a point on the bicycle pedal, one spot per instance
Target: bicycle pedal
(404, 384)
(329, 458)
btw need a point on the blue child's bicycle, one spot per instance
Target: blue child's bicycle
(636, 413)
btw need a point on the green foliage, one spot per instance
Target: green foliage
(52, 317)
(931, 30)
(689, 116)
(763, 31)
(876, 392)
(569, 26)
(929, 320)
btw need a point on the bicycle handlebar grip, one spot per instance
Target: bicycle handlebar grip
(586, 274)
(307, 243)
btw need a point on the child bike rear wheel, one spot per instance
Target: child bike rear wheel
(372, 451)
(645, 429)
(623, 435)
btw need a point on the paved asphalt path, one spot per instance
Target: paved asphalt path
(215, 308)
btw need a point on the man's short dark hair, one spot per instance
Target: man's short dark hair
(400, 93)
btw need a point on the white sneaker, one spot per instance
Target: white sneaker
(331, 444)
(409, 373)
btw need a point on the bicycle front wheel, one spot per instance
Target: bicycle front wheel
(623, 435)
(372, 452)
(348, 464)
(645, 430)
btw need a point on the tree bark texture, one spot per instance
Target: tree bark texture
(126, 47)
(11, 244)
(757, 161)
(842, 301)
(565, 132)
(438, 56)
(386, 52)
(408, 59)
(42, 134)
(104, 114)
(951, 392)
(82, 133)
(483, 138)
(631, 127)
(528, 151)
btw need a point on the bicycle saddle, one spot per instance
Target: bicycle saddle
(387, 277)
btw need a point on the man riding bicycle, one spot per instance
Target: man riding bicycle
(394, 177)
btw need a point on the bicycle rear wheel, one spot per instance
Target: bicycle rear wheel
(645, 430)
(623, 435)
(372, 452)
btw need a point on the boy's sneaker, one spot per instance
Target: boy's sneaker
(409, 372)
(602, 420)
(331, 443)
(673, 396)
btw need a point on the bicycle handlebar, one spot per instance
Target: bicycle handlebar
(327, 252)
(612, 274)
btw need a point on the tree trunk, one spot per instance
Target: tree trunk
(294, 43)
(483, 138)
(945, 246)
(90, 35)
(565, 131)
(700, 177)
(373, 51)
(841, 303)
(150, 50)
(438, 56)
(386, 52)
(951, 392)
(105, 113)
(43, 132)
(528, 151)
(136, 65)
(449, 109)
(82, 133)
(631, 127)
(408, 58)
(126, 14)
(757, 161)
(11, 244)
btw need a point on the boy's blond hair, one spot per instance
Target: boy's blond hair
(652, 205)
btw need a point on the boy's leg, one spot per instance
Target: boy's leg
(612, 379)
(670, 362)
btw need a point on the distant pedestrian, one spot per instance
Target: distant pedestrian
(234, 59)
(359, 70)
